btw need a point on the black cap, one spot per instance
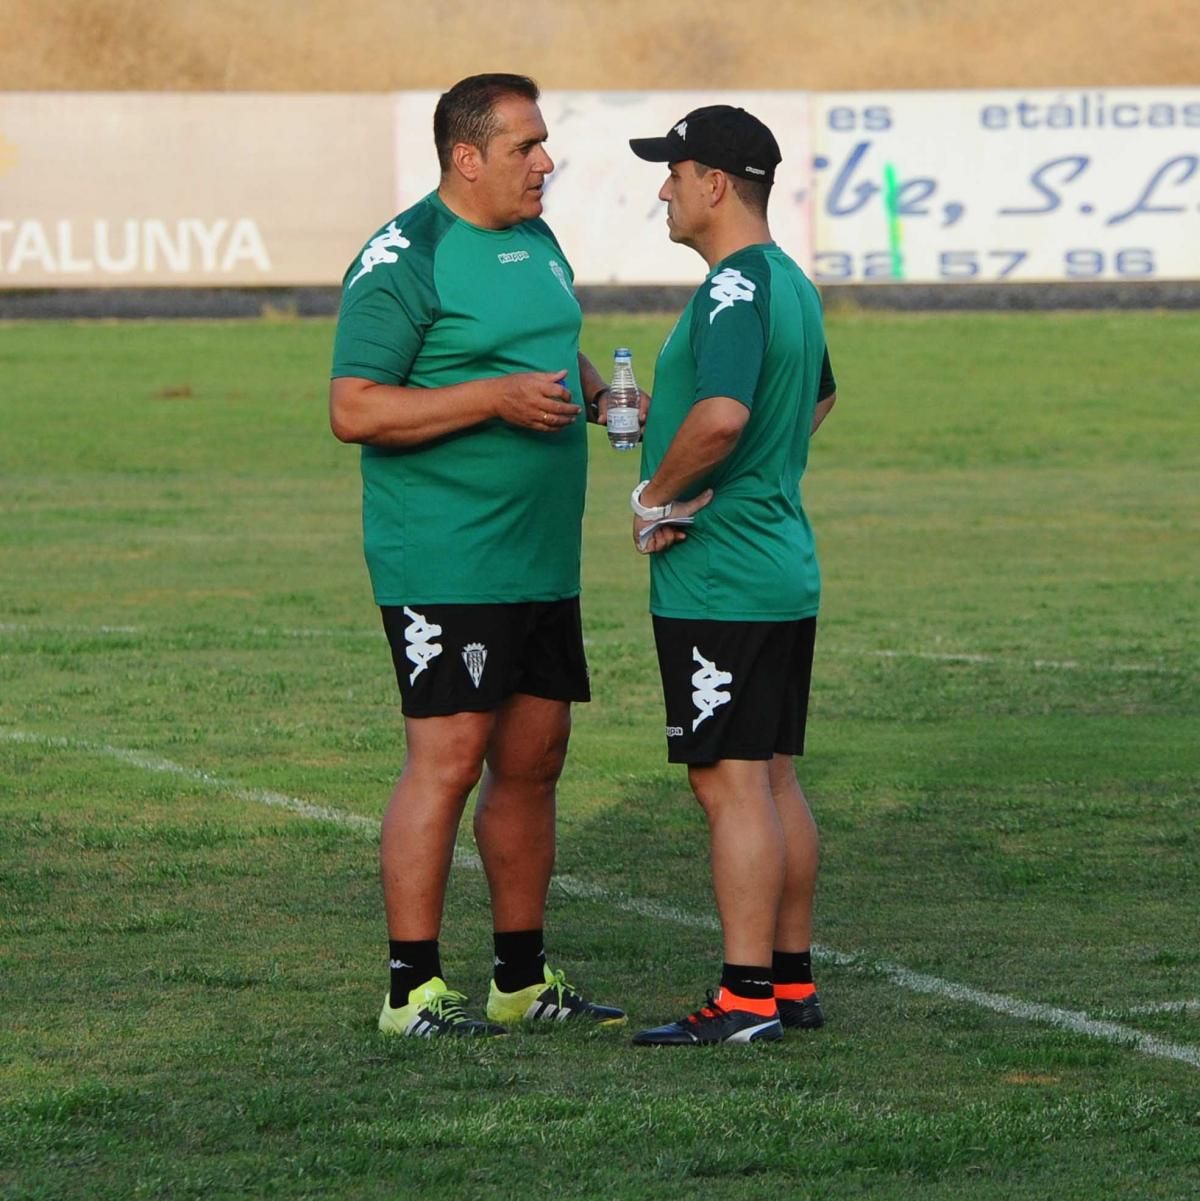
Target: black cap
(717, 136)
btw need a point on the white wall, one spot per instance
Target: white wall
(104, 189)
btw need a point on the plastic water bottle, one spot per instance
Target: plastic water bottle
(624, 428)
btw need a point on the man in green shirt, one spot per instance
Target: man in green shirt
(457, 368)
(741, 384)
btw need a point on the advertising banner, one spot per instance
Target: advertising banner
(203, 189)
(124, 189)
(986, 186)
(601, 201)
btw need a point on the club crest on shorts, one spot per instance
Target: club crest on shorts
(706, 683)
(474, 657)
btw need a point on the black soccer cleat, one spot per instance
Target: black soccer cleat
(712, 1024)
(801, 1015)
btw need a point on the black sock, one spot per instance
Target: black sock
(792, 967)
(411, 963)
(520, 959)
(745, 980)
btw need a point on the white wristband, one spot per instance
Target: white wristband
(648, 512)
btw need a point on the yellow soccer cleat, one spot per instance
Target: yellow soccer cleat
(433, 1010)
(553, 1001)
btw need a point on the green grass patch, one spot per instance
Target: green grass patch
(1003, 761)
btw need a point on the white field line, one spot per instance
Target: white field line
(13, 627)
(1040, 664)
(1067, 1019)
(17, 628)
(259, 796)
(1167, 1007)
(254, 632)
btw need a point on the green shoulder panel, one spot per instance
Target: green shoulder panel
(389, 297)
(730, 326)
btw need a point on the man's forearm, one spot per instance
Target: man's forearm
(387, 415)
(704, 440)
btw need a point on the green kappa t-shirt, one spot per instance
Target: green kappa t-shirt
(490, 514)
(752, 331)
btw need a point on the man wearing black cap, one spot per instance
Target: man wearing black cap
(741, 384)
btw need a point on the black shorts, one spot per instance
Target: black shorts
(471, 658)
(735, 689)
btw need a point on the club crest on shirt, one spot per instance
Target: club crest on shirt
(728, 287)
(561, 276)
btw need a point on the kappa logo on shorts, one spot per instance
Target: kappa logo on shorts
(419, 649)
(474, 656)
(706, 682)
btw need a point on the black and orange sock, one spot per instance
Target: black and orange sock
(747, 987)
(793, 975)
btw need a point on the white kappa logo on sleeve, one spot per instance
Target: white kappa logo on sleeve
(705, 682)
(728, 287)
(381, 249)
(419, 649)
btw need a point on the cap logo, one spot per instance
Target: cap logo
(681, 130)
(755, 170)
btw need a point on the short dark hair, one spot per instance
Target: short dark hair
(753, 193)
(467, 112)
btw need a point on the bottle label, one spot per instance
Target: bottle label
(622, 419)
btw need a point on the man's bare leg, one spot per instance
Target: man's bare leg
(416, 846)
(747, 851)
(793, 923)
(795, 991)
(514, 830)
(515, 813)
(416, 849)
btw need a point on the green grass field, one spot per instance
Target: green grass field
(1003, 760)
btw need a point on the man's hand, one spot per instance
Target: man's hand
(535, 400)
(667, 535)
(601, 409)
